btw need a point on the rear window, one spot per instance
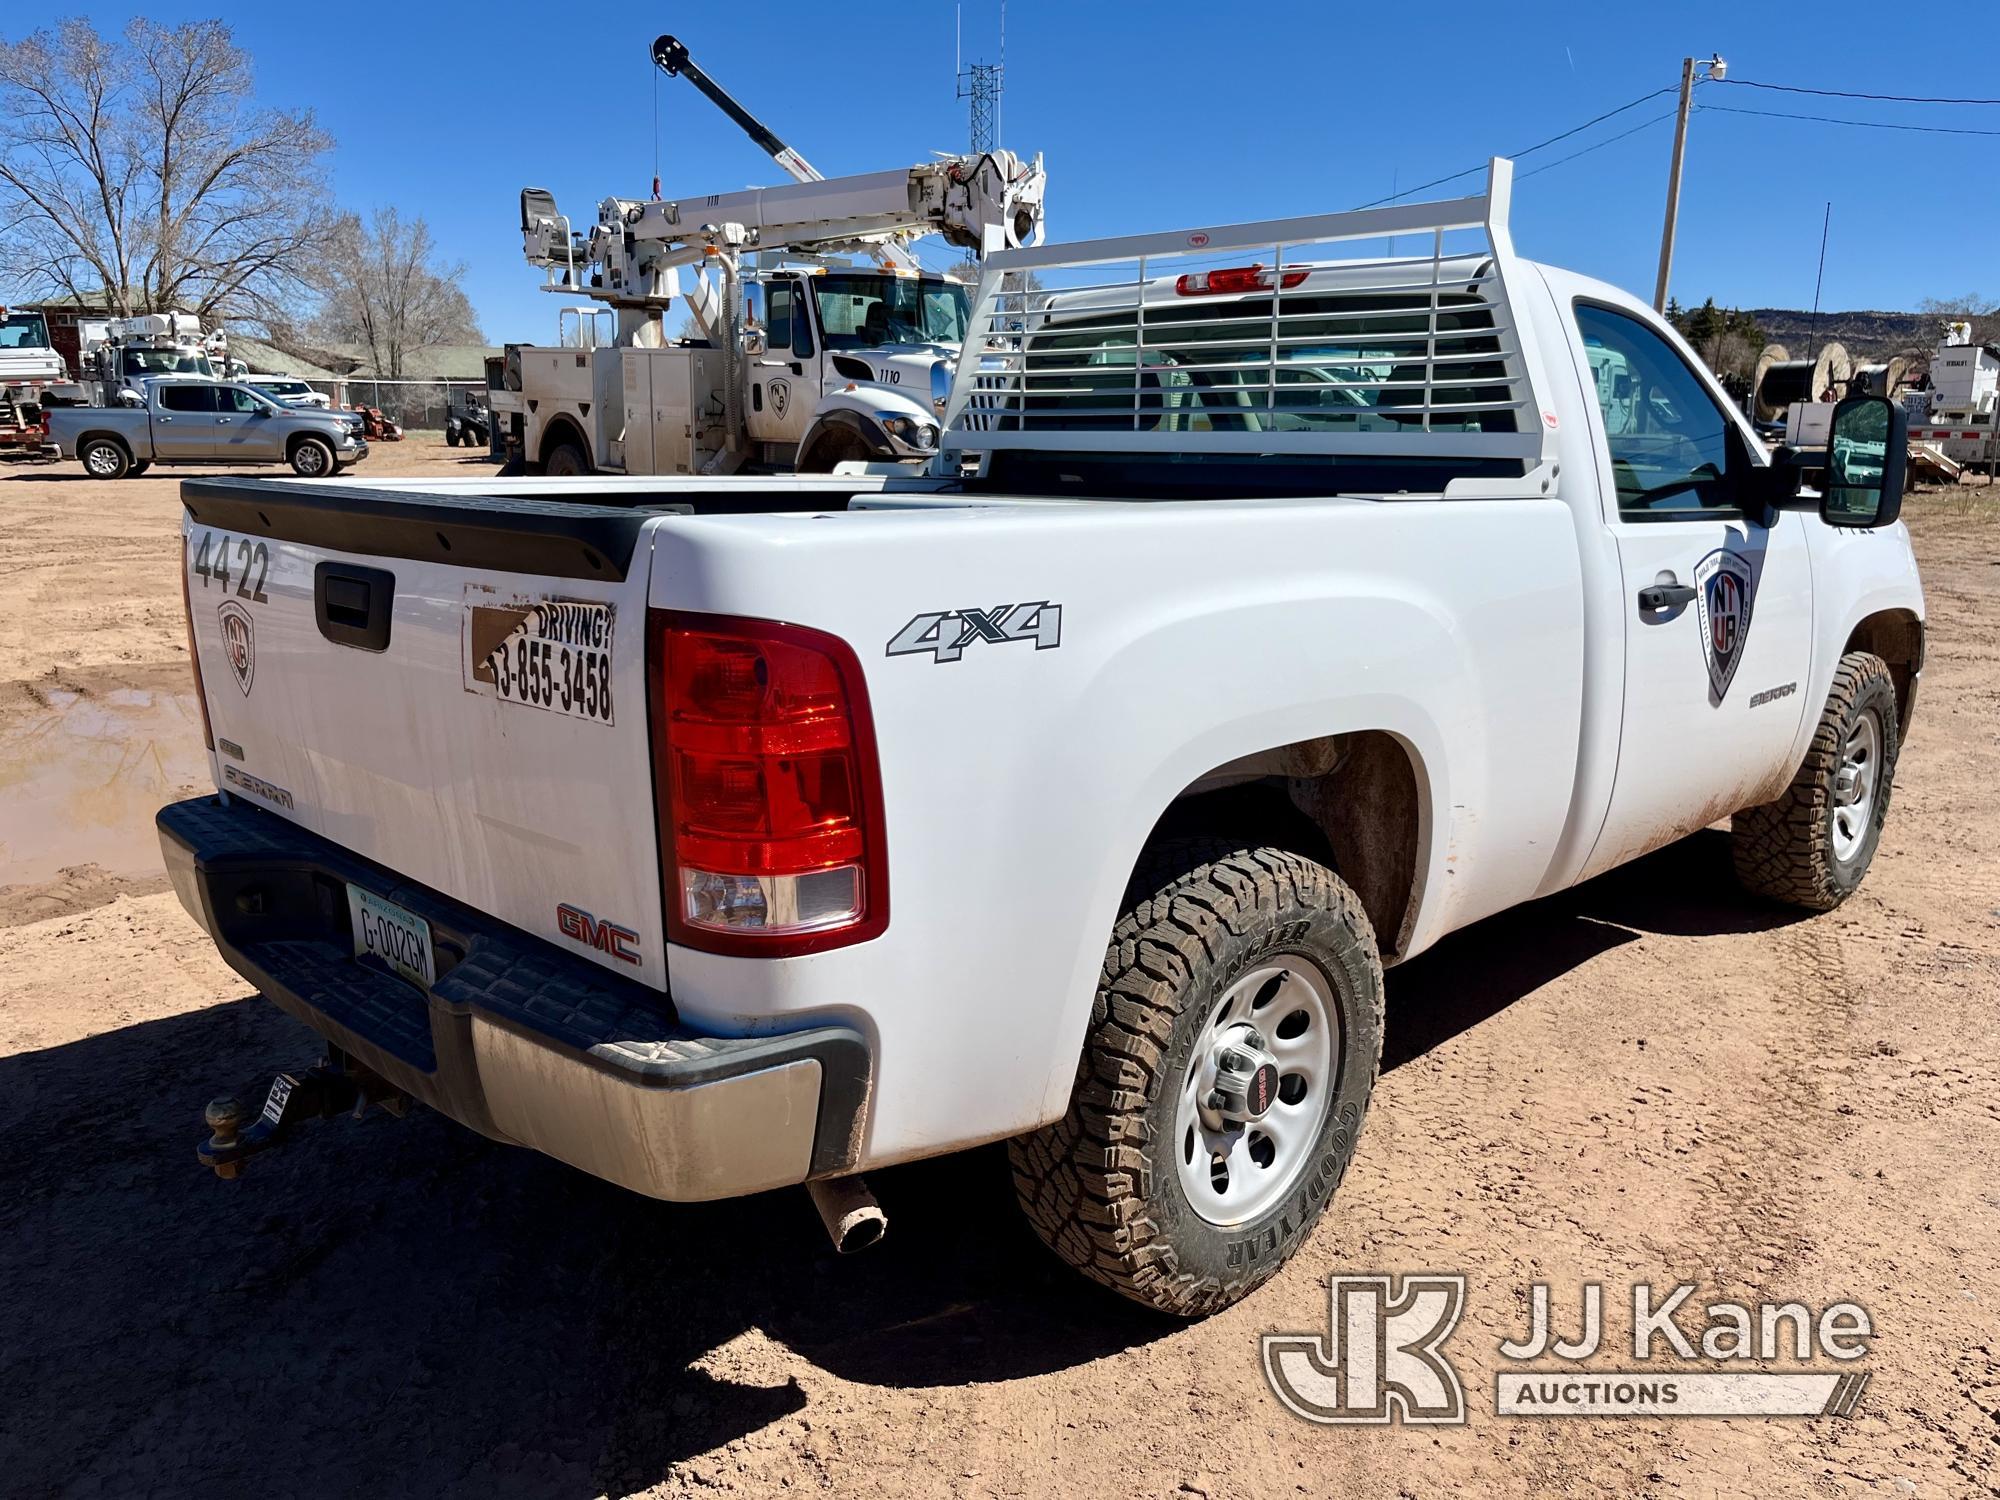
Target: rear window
(187, 397)
(1328, 362)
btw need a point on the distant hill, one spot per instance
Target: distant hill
(1869, 336)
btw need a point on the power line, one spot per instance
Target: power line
(1538, 146)
(1598, 146)
(1779, 114)
(1790, 88)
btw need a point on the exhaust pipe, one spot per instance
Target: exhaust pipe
(853, 1219)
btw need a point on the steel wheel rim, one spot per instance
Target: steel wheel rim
(102, 462)
(1856, 785)
(1230, 1171)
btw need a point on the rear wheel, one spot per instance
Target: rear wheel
(1811, 847)
(565, 461)
(312, 458)
(1234, 1043)
(105, 458)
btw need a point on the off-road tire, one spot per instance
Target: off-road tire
(565, 461)
(451, 437)
(105, 458)
(1784, 850)
(312, 458)
(1100, 1185)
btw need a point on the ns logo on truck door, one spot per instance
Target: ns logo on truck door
(943, 635)
(1724, 588)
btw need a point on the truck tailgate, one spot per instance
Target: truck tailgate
(452, 688)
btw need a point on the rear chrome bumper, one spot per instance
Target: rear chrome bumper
(516, 1038)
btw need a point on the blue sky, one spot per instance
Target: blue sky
(1157, 115)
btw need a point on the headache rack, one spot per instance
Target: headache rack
(1264, 339)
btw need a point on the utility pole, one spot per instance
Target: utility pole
(1717, 68)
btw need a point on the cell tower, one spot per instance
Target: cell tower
(981, 83)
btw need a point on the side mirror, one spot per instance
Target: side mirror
(1868, 452)
(753, 343)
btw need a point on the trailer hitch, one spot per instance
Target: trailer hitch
(317, 1093)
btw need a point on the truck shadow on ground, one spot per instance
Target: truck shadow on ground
(417, 1310)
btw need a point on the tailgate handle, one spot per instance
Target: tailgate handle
(352, 604)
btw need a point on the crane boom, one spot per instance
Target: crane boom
(670, 55)
(989, 202)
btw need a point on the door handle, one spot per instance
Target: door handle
(1665, 595)
(352, 604)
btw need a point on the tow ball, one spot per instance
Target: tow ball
(316, 1093)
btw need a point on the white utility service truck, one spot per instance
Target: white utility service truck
(1275, 606)
(834, 362)
(32, 377)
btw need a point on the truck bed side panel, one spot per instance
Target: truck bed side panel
(1022, 779)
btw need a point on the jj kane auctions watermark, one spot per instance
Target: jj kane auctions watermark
(1382, 1356)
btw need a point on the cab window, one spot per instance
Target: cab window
(778, 321)
(236, 398)
(1672, 448)
(188, 398)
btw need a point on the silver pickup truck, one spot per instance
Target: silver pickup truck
(206, 422)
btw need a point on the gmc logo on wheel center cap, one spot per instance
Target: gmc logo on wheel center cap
(1263, 1090)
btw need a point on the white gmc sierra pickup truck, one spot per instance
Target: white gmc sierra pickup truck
(1276, 606)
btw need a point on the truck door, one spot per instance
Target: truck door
(183, 420)
(247, 430)
(1718, 605)
(784, 379)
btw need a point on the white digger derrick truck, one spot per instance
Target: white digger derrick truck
(834, 361)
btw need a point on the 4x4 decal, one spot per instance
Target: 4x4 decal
(943, 635)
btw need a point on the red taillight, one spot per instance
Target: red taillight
(1232, 280)
(766, 785)
(194, 656)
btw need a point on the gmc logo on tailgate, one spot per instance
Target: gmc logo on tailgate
(622, 943)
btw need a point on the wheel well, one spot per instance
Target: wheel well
(1351, 801)
(1897, 636)
(292, 442)
(108, 437)
(562, 430)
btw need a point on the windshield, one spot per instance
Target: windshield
(867, 311)
(166, 362)
(24, 331)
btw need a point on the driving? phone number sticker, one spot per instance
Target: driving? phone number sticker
(552, 654)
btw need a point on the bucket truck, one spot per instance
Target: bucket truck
(804, 359)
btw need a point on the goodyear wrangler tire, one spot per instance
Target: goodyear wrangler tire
(1234, 1041)
(1811, 846)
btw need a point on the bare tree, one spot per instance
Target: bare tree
(141, 171)
(1971, 308)
(387, 291)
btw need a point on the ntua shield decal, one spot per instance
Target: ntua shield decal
(1723, 585)
(781, 395)
(239, 643)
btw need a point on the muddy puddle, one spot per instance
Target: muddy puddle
(83, 772)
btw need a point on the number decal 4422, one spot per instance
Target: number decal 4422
(943, 635)
(216, 551)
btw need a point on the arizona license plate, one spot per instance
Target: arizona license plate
(399, 938)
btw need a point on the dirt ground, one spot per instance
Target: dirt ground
(1645, 1079)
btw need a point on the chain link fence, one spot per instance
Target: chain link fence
(414, 404)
